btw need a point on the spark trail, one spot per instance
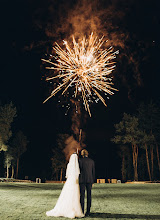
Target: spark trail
(83, 68)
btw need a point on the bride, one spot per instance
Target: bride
(68, 203)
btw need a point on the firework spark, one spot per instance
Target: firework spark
(85, 67)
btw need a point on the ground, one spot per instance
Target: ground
(30, 201)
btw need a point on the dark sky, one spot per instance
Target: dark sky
(28, 30)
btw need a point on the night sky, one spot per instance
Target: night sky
(29, 29)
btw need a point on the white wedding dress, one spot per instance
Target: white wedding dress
(68, 203)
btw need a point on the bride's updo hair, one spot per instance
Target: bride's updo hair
(84, 153)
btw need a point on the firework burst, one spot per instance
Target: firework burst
(85, 67)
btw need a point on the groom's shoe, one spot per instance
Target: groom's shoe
(87, 214)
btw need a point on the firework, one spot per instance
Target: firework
(83, 68)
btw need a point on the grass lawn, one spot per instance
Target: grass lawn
(30, 201)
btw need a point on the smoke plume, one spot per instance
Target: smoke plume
(72, 146)
(83, 18)
(60, 20)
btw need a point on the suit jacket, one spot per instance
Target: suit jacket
(87, 170)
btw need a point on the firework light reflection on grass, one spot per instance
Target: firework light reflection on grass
(84, 68)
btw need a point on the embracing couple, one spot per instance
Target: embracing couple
(80, 175)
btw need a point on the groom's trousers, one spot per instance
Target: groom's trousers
(88, 187)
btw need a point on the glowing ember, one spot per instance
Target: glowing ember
(85, 67)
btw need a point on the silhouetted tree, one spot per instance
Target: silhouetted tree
(142, 132)
(58, 159)
(8, 162)
(18, 147)
(127, 132)
(149, 122)
(7, 114)
(126, 169)
(148, 140)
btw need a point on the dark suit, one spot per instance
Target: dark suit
(86, 179)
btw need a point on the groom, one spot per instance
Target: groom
(86, 179)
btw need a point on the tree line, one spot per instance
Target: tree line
(136, 135)
(13, 144)
(138, 139)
